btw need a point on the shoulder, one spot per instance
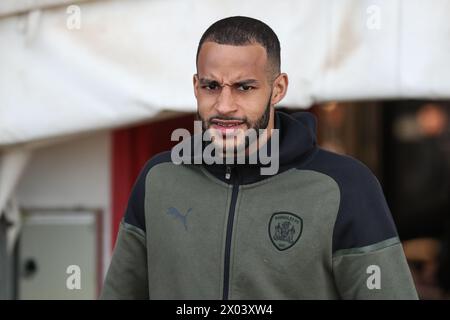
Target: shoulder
(134, 214)
(364, 217)
(345, 170)
(162, 157)
(351, 175)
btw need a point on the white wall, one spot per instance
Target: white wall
(75, 173)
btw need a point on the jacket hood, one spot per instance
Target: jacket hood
(297, 135)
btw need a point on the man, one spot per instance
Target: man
(318, 228)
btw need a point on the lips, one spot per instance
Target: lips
(227, 125)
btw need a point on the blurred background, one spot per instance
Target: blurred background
(90, 90)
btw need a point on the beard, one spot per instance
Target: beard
(259, 125)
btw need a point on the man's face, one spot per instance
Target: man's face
(233, 91)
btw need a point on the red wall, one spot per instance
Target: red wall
(131, 148)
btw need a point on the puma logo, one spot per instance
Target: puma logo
(178, 215)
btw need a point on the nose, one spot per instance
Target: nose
(225, 102)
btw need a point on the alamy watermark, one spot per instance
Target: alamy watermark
(73, 281)
(374, 280)
(227, 147)
(373, 21)
(73, 21)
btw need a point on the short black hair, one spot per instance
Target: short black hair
(240, 31)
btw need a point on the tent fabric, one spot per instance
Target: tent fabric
(11, 7)
(12, 164)
(130, 59)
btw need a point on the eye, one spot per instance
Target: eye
(211, 86)
(244, 87)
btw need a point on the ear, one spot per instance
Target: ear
(280, 86)
(195, 83)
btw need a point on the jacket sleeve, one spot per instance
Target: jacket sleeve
(127, 273)
(127, 276)
(368, 259)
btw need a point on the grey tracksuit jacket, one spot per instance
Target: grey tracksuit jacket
(318, 229)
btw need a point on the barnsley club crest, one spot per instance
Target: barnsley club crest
(285, 229)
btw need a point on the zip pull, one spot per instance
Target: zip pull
(228, 173)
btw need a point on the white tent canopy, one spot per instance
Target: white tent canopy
(130, 59)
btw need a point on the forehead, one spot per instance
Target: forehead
(229, 62)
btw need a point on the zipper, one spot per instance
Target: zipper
(228, 173)
(234, 194)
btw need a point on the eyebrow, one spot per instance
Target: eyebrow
(240, 82)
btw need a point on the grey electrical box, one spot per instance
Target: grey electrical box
(59, 255)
